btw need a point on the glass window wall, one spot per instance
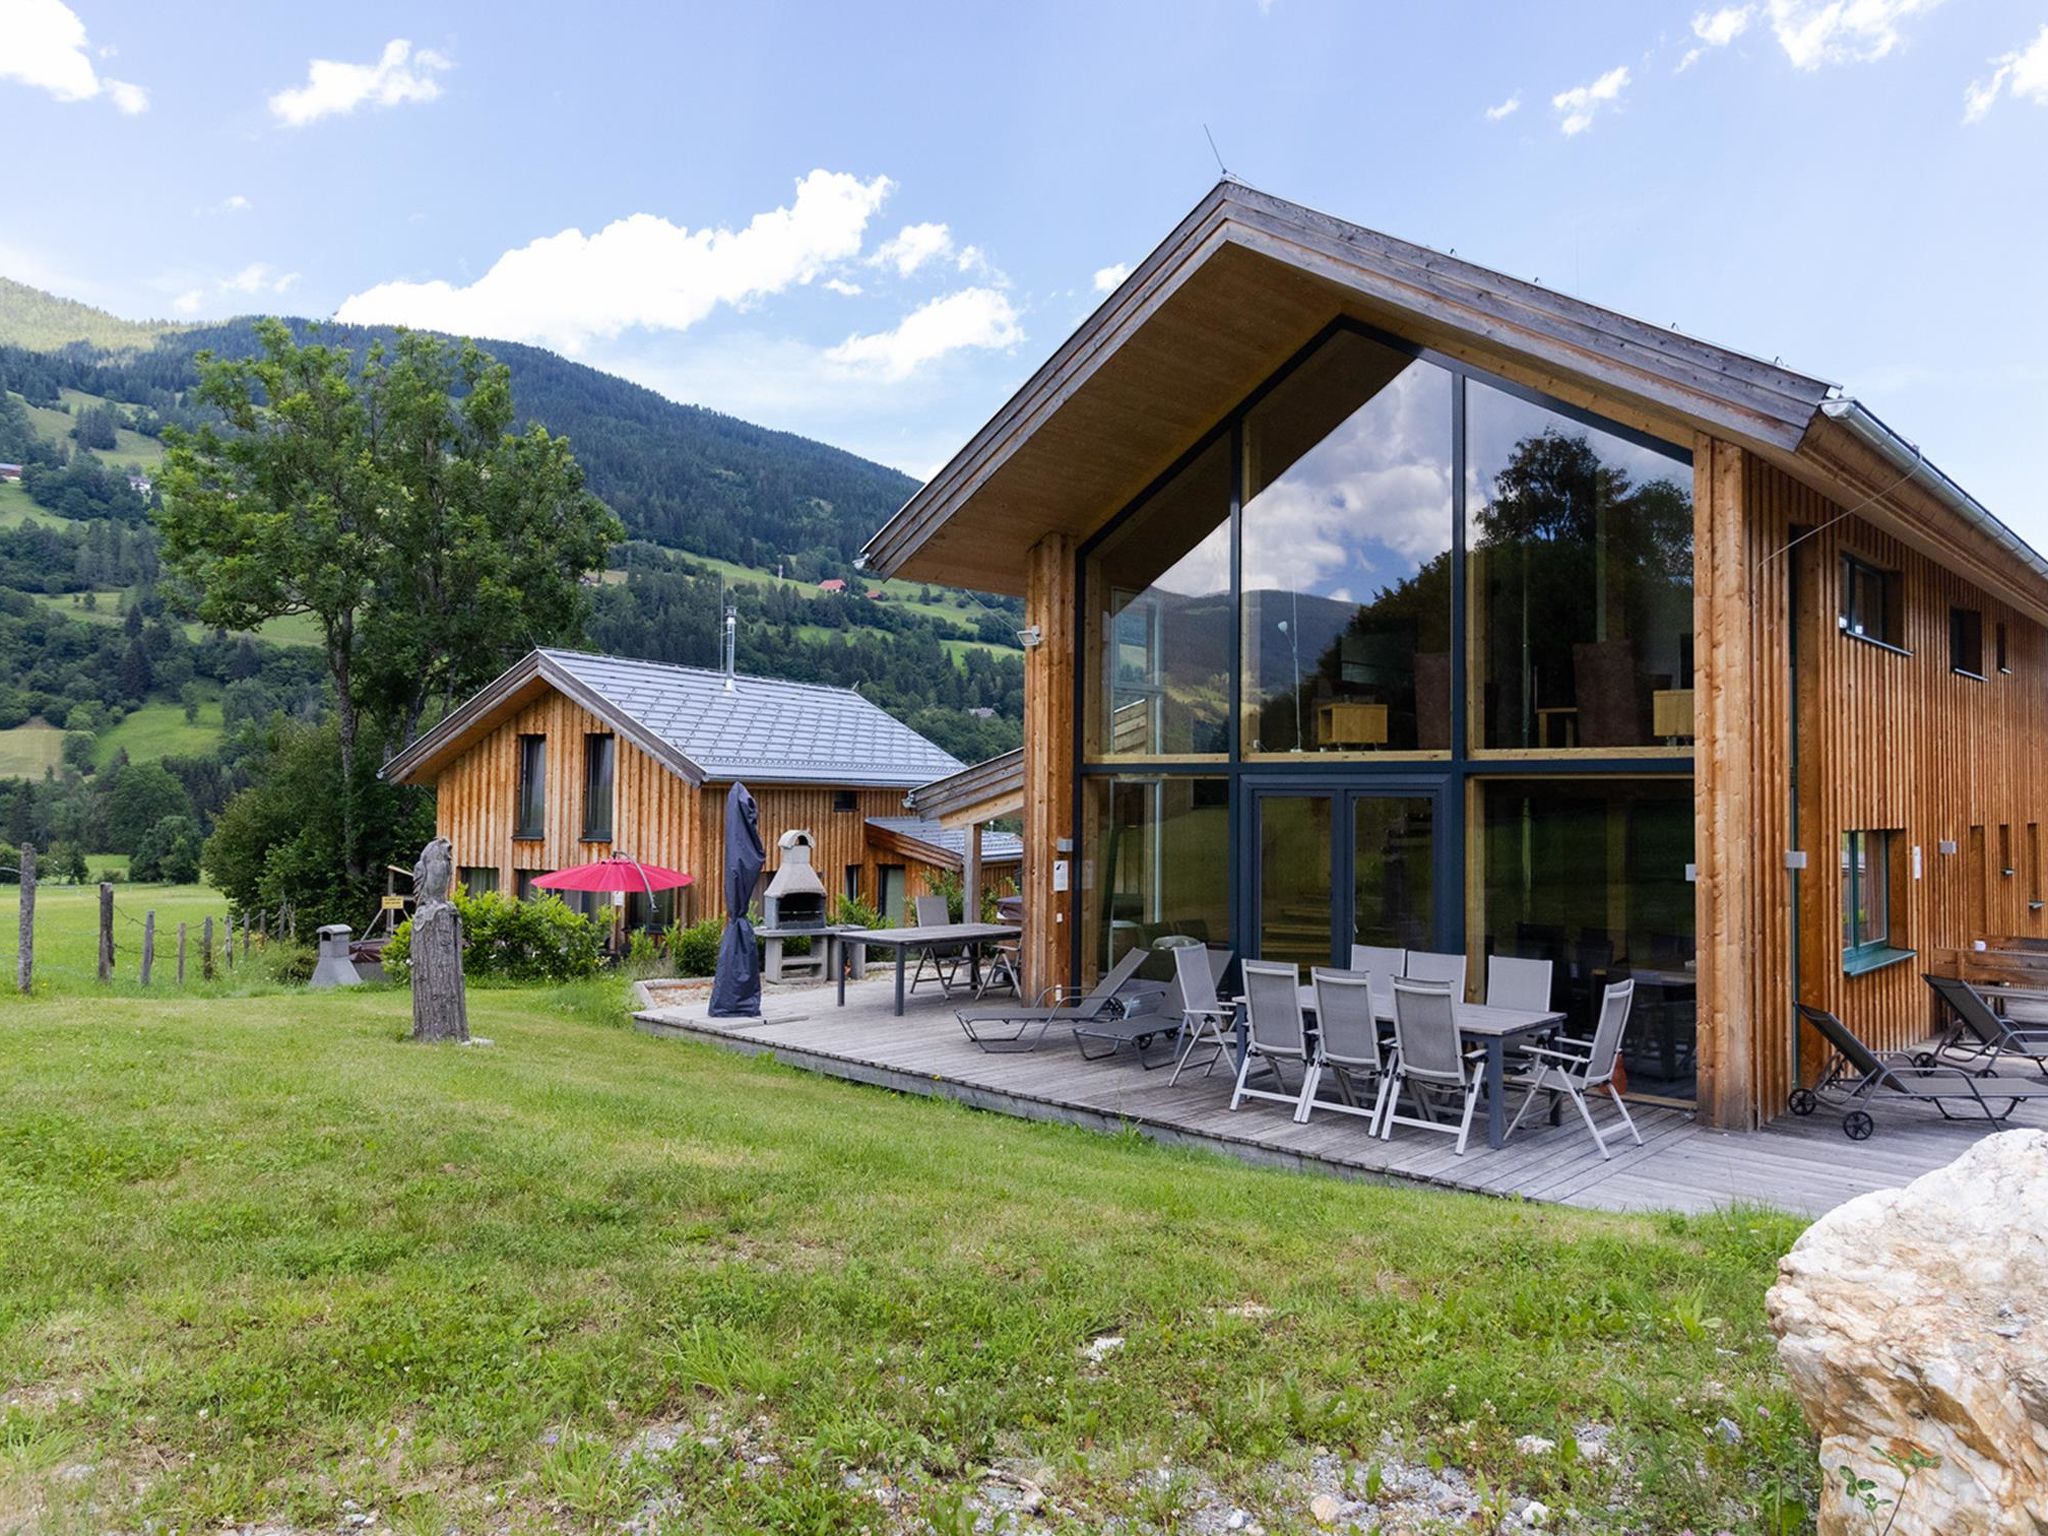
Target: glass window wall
(1580, 569)
(1156, 854)
(1347, 556)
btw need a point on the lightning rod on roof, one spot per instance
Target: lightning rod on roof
(1221, 169)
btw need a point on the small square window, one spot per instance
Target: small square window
(845, 800)
(1870, 601)
(1966, 641)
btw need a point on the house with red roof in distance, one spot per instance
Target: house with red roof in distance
(833, 585)
(10, 471)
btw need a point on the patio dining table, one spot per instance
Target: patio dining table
(906, 941)
(1495, 1029)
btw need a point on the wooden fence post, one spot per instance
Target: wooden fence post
(25, 967)
(181, 953)
(148, 944)
(106, 931)
(206, 948)
(245, 938)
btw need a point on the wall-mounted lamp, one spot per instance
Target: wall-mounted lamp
(1946, 846)
(1030, 637)
(1795, 858)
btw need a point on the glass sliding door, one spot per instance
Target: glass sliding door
(1343, 866)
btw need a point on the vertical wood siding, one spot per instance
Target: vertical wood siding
(656, 815)
(1885, 742)
(1048, 758)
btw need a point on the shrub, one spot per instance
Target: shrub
(852, 912)
(511, 940)
(695, 948)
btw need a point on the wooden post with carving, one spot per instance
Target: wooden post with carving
(440, 1009)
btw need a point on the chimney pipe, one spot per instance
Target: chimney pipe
(732, 628)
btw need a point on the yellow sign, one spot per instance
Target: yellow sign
(394, 903)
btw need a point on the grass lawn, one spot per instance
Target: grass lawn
(259, 1257)
(26, 750)
(161, 730)
(16, 506)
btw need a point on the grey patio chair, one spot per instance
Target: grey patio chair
(1204, 1018)
(1274, 1032)
(1347, 1045)
(1856, 1074)
(1382, 965)
(1430, 1060)
(1978, 1036)
(1427, 965)
(1021, 1028)
(1576, 1068)
(932, 912)
(1517, 983)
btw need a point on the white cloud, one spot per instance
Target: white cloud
(2024, 72)
(913, 246)
(1717, 29)
(188, 302)
(1578, 106)
(334, 88)
(43, 44)
(1818, 32)
(258, 277)
(973, 259)
(1506, 108)
(843, 288)
(234, 203)
(565, 289)
(1107, 278)
(972, 318)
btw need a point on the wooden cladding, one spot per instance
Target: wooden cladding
(1049, 604)
(656, 815)
(1809, 730)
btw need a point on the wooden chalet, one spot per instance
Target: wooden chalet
(1377, 597)
(570, 757)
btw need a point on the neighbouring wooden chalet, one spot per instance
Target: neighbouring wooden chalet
(1377, 597)
(570, 757)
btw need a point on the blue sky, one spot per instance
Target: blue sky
(869, 224)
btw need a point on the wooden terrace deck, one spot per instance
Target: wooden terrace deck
(1806, 1166)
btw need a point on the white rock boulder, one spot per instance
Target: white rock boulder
(1914, 1322)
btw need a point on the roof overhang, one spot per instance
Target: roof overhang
(532, 677)
(1244, 282)
(988, 789)
(908, 845)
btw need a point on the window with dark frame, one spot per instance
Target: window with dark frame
(599, 755)
(523, 887)
(2004, 665)
(478, 879)
(532, 813)
(1870, 601)
(845, 800)
(1866, 896)
(1966, 642)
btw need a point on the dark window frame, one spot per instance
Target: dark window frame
(530, 807)
(600, 786)
(845, 800)
(2002, 655)
(1859, 576)
(1867, 949)
(1966, 642)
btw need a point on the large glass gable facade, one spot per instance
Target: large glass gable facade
(1344, 665)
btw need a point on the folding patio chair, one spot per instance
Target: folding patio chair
(1576, 1068)
(1978, 1036)
(1204, 1019)
(1021, 1028)
(1856, 1074)
(1430, 1059)
(1347, 1043)
(1382, 965)
(1426, 965)
(1516, 983)
(1274, 1031)
(932, 912)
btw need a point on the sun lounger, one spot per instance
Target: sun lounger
(1019, 1028)
(1856, 1074)
(1977, 1036)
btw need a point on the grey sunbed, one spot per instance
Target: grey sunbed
(1019, 1028)
(1856, 1074)
(1978, 1036)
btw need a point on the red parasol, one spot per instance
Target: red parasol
(617, 873)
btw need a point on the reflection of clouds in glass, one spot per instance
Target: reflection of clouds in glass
(1203, 570)
(1366, 507)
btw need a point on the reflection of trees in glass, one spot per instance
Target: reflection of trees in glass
(1587, 590)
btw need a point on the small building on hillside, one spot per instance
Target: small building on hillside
(832, 585)
(570, 757)
(10, 471)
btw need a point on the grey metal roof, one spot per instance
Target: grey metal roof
(765, 729)
(996, 847)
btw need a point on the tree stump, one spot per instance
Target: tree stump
(440, 1009)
